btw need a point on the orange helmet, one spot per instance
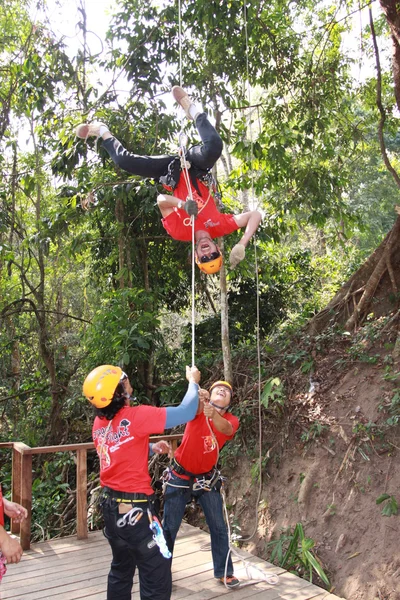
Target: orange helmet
(223, 383)
(212, 265)
(101, 383)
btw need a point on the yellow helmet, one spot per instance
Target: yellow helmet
(224, 383)
(100, 385)
(210, 266)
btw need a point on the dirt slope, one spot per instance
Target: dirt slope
(338, 457)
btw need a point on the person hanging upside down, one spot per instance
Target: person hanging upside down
(193, 474)
(177, 209)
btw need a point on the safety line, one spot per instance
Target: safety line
(180, 41)
(260, 433)
(189, 188)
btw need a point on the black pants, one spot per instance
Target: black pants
(203, 156)
(133, 546)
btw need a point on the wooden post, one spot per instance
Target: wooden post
(16, 484)
(81, 494)
(25, 491)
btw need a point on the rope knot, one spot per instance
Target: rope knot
(185, 164)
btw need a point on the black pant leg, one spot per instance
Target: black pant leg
(144, 166)
(205, 155)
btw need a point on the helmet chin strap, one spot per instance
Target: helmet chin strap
(220, 407)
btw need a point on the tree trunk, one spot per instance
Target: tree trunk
(391, 11)
(370, 289)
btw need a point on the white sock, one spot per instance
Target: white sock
(103, 129)
(194, 111)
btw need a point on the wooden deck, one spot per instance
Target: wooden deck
(71, 569)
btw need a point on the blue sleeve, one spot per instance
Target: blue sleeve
(186, 411)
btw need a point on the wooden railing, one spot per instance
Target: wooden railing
(21, 481)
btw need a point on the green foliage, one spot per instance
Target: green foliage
(273, 391)
(79, 288)
(293, 551)
(124, 331)
(314, 431)
(390, 507)
(50, 493)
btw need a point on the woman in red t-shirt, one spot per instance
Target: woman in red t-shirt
(121, 437)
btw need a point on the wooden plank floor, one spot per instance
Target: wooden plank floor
(71, 569)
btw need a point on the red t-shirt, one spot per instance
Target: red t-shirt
(198, 452)
(209, 219)
(1, 508)
(123, 447)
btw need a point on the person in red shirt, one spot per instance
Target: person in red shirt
(193, 473)
(10, 548)
(121, 437)
(177, 209)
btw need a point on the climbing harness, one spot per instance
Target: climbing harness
(202, 482)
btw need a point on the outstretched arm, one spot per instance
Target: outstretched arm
(186, 411)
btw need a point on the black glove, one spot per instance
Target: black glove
(191, 208)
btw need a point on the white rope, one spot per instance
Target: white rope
(260, 436)
(271, 579)
(193, 293)
(180, 41)
(185, 171)
(189, 188)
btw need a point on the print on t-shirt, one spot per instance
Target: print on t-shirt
(210, 443)
(110, 441)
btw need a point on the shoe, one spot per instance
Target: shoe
(85, 130)
(183, 99)
(230, 581)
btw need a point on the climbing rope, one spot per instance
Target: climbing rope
(271, 579)
(185, 166)
(180, 40)
(260, 436)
